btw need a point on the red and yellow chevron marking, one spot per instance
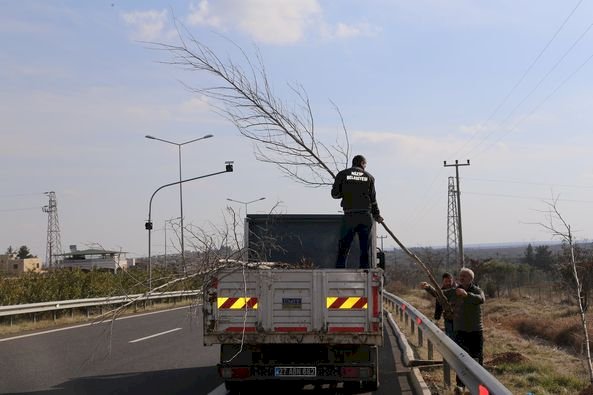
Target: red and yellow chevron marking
(237, 303)
(353, 302)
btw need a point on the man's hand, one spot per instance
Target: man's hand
(460, 292)
(424, 285)
(379, 219)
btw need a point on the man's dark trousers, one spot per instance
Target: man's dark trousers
(359, 223)
(473, 344)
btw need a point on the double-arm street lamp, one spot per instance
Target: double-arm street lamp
(245, 203)
(179, 145)
(245, 221)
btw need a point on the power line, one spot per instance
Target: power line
(541, 103)
(526, 197)
(536, 59)
(7, 210)
(21, 194)
(528, 182)
(505, 99)
(508, 117)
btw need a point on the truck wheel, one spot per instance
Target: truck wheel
(351, 387)
(370, 386)
(233, 387)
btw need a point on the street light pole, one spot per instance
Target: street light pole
(168, 221)
(179, 145)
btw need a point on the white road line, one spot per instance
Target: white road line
(220, 390)
(89, 324)
(155, 335)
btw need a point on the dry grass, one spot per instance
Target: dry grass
(529, 346)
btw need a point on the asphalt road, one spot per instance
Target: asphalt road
(154, 353)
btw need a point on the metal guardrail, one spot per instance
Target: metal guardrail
(477, 379)
(90, 302)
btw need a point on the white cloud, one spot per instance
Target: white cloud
(343, 30)
(201, 15)
(416, 147)
(274, 21)
(149, 25)
(196, 105)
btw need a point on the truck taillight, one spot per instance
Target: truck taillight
(353, 372)
(234, 372)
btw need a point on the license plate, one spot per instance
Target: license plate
(295, 371)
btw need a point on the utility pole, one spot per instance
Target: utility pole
(382, 237)
(460, 239)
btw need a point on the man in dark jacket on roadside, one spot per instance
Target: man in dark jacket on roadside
(439, 310)
(356, 188)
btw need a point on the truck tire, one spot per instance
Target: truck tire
(370, 386)
(233, 387)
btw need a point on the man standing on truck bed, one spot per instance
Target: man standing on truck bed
(356, 188)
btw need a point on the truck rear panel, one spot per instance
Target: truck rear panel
(294, 306)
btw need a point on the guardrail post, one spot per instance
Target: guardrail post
(447, 373)
(430, 349)
(420, 337)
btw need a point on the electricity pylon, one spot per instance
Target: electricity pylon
(54, 244)
(452, 224)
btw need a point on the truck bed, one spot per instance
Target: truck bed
(293, 306)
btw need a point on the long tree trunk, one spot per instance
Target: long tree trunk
(581, 307)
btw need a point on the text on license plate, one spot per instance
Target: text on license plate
(295, 371)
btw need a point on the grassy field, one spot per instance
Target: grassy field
(529, 346)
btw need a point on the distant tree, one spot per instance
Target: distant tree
(559, 227)
(432, 258)
(543, 258)
(24, 253)
(584, 266)
(529, 257)
(9, 250)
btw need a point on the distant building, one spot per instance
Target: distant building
(92, 259)
(10, 264)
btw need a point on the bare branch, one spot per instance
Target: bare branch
(283, 136)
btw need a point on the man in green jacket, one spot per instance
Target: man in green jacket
(467, 300)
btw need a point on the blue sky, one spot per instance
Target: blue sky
(506, 84)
